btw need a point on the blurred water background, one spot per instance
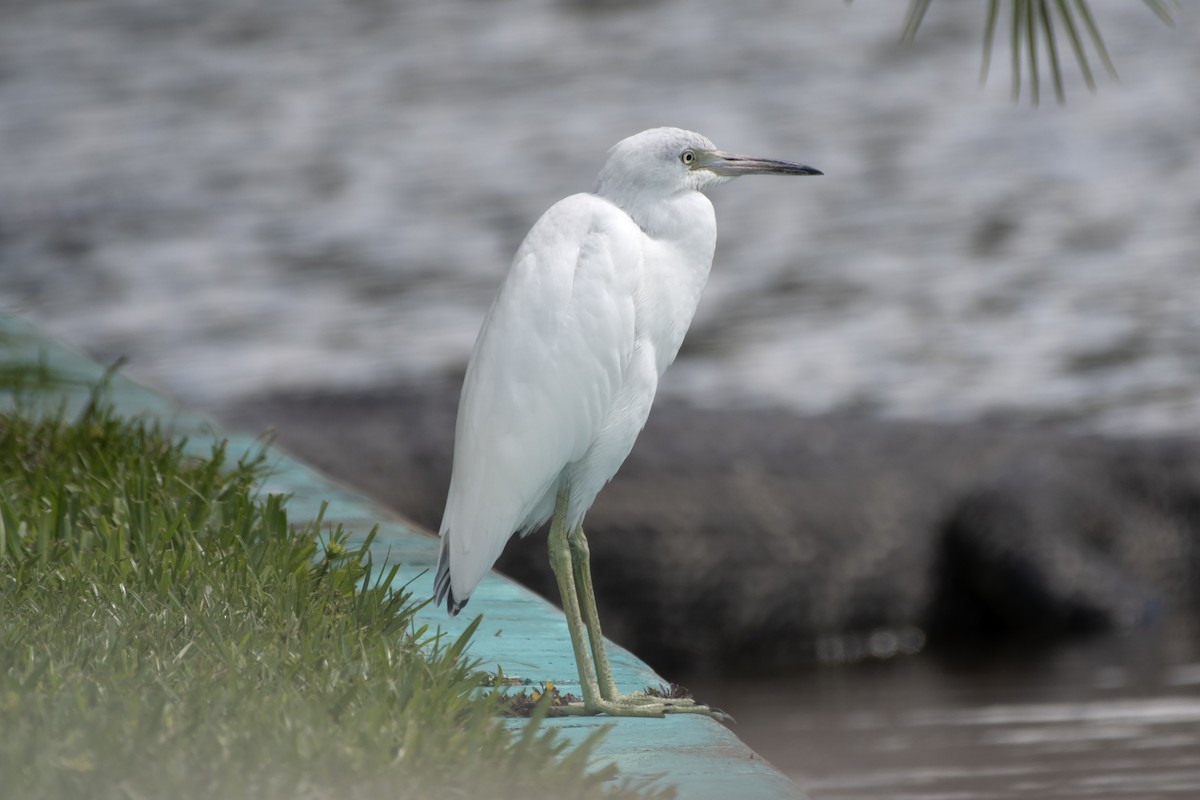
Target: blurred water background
(242, 195)
(245, 196)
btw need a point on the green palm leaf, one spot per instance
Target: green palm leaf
(1034, 20)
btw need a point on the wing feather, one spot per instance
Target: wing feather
(548, 365)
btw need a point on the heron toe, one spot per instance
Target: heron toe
(640, 705)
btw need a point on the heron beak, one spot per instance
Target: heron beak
(732, 166)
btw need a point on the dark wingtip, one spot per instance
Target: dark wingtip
(454, 605)
(442, 589)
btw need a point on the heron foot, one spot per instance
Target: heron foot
(640, 705)
(674, 705)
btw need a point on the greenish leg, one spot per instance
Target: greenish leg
(581, 561)
(581, 564)
(562, 562)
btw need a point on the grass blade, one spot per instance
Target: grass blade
(167, 633)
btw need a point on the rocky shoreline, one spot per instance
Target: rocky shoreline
(737, 539)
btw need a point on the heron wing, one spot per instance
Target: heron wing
(546, 368)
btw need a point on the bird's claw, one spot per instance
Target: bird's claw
(640, 705)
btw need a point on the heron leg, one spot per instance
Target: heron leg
(581, 561)
(582, 573)
(562, 563)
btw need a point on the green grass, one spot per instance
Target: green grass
(166, 632)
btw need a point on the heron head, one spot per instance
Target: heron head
(665, 161)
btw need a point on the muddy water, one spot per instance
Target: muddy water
(1105, 719)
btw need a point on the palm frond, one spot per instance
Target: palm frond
(1086, 15)
(989, 32)
(1064, 10)
(912, 20)
(1034, 20)
(1160, 8)
(1052, 51)
(1035, 81)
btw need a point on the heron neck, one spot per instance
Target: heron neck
(664, 216)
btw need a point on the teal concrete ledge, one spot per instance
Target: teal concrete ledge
(520, 631)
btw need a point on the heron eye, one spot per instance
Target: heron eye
(688, 157)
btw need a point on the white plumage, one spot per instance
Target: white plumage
(592, 312)
(567, 362)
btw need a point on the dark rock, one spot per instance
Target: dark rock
(760, 538)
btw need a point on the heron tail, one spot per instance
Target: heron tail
(442, 588)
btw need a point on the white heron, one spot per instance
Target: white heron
(592, 312)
